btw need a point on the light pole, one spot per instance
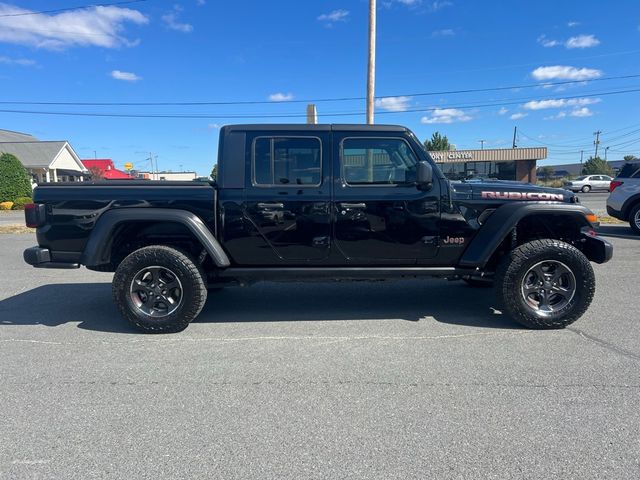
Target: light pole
(371, 71)
(481, 144)
(606, 149)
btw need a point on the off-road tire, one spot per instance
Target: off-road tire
(635, 213)
(513, 268)
(194, 290)
(479, 282)
(585, 189)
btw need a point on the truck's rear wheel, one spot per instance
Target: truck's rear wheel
(159, 289)
(545, 284)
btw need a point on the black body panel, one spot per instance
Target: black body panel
(290, 200)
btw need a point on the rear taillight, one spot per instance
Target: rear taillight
(614, 184)
(34, 214)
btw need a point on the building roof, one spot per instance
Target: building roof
(490, 155)
(108, 168)
(11, 136)
(34, 154)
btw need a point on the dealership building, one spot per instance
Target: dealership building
(498, 163)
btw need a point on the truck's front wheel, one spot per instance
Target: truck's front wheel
(545, 284)
(159, 289)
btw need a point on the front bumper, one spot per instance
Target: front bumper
(596, 248)
(41, 258)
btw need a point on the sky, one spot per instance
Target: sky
(551, 68)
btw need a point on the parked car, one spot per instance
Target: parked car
(323, 203)
(587, 183)
(624, 200)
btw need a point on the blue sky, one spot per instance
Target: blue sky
(212, 50)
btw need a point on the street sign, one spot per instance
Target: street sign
(128, 166)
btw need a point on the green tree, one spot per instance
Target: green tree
(547, 172)
(437, 143)
(214, 172)
(630, 158)
(14, 179)
(597, 166)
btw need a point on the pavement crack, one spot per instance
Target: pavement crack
(603, 343)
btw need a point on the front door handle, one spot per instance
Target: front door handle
(354, 205)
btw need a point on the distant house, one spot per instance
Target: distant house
(107, 169)
(46, 161)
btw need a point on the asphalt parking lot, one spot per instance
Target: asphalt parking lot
(413, 379)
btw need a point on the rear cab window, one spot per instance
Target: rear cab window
(286, 161)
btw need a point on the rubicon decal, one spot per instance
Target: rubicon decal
(554, 197)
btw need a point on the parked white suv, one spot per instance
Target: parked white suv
(624, 200)
(586, 183)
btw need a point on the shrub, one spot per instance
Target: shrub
(6, 205)
(20, 202)
(14, 179)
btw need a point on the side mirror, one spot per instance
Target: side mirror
(424, 175)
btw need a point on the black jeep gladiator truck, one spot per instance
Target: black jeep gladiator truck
(320, 202)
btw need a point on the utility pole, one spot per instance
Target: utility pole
(481, 144)
(515, 133)
(371, 72)
(581, 155)
(312, 114)
(597, 142)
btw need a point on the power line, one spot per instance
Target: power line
(68, 9)
(294, 115)
(318, 100)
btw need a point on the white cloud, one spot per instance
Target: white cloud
(281, 97)
(579, 41)
(559, 103)
(518, 116)
(556, 117)
(94, 26)
(214, 126)
(171, 20)
(581, 112)
(547, 42)
(572, 24)
(125, 76)
(582, 41)
(438, 5)
(201, 2)
(446, 115)
(445, 32)
(409, 2)
(393, 104)
(330, 18)
(563, 72)
(503, 110)
(23, 62)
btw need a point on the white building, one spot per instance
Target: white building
(46, 161)
(167, 175)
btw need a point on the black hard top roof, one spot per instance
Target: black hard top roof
(303, 127)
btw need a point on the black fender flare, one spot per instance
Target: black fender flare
(504, 219)
(98, 248)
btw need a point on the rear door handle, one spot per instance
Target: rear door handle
(270, 205)
(354, 205)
